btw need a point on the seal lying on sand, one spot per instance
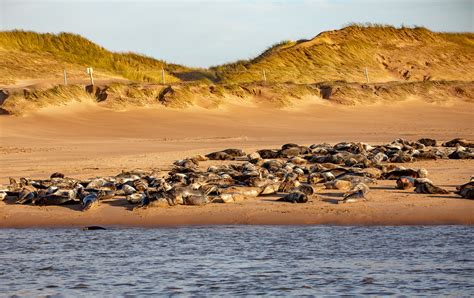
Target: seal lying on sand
(427, 187)
(461, 153)
(397, 173)
(427, 142)
(196, 200)
(227, 154)
(462, 142)
(338, 184)
(60, 197)
(57, 175)
(466, 190)
(228, 198)
(135, 198)
(356, 194)
(26, 196)
(90, 201)
(295, 197)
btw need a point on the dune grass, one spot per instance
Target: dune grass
(21, 103)
(389, 54)
(276, 95)
(72, 51)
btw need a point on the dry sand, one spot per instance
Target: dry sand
(84, 140)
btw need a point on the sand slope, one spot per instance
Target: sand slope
(83, 139)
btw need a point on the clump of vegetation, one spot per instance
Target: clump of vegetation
(32, 100)
(76, 51)
(390, 54)
(355, 53)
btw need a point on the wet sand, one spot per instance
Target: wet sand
(87, 141)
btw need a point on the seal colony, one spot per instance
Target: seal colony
(295, 173)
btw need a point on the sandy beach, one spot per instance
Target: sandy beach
(85, 140)
(385, 206)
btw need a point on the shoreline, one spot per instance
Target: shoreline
(323, 223)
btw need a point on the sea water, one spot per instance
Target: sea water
(238, 260)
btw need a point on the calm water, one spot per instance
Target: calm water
(237, 260)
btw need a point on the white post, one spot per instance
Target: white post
(264, 76)
(90, 71)
(65, 77)
(367, 75)
(163, 75)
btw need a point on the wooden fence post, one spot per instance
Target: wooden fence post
(65, 77)
(90, 71)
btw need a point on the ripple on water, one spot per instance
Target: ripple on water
(239, 260)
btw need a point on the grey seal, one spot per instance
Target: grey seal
(356, 194)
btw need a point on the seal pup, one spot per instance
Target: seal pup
(356, 194)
